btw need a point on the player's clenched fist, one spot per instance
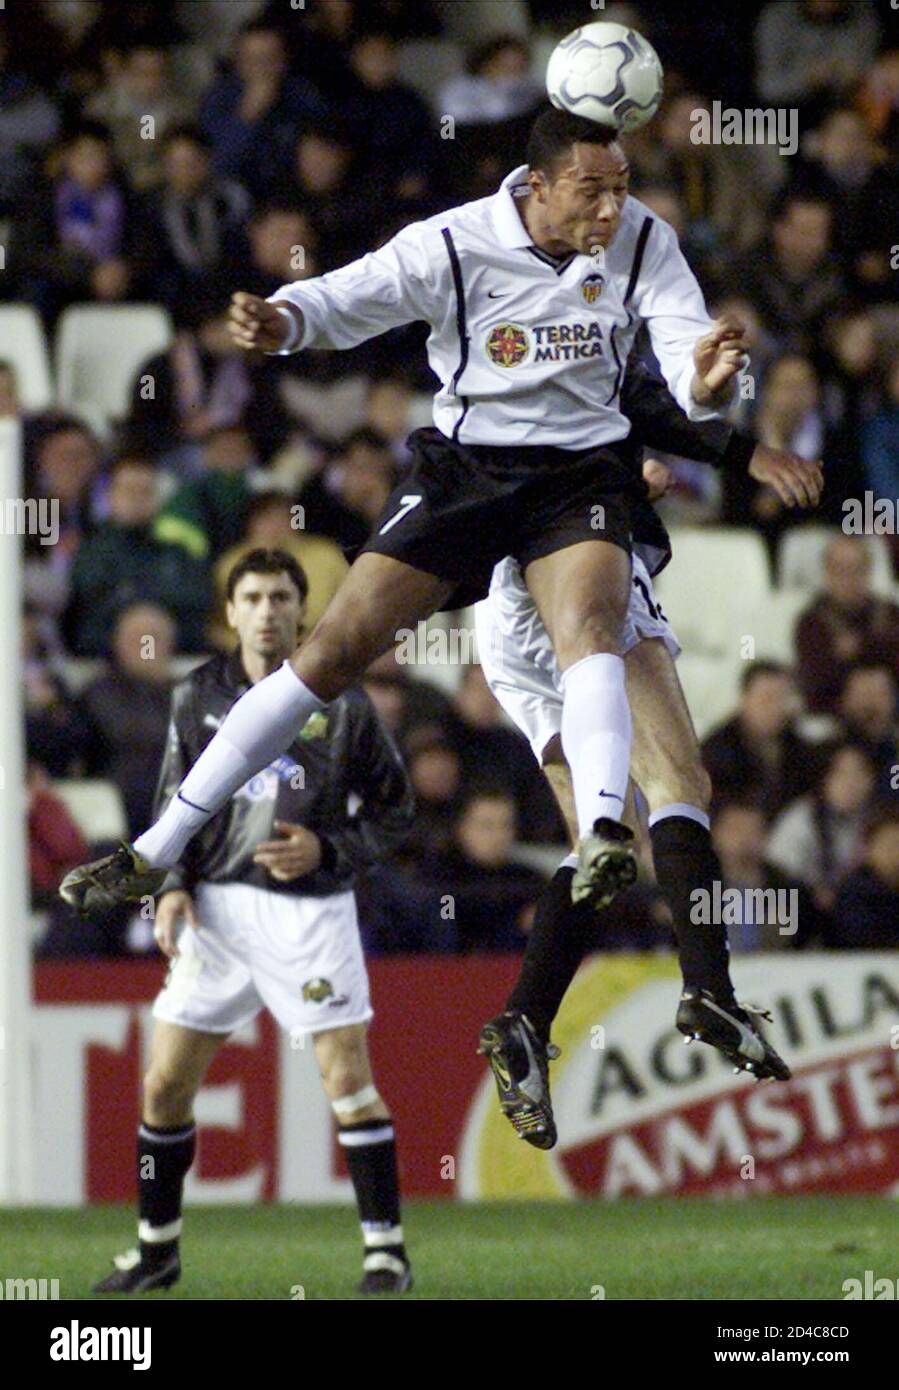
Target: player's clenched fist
(658, 478)
(717, 357)
(256, 324)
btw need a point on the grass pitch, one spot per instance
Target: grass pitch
(778, 1248)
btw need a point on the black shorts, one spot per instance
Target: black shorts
(464, 507)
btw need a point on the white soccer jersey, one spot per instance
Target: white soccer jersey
(529, 350)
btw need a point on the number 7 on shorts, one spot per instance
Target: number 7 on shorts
(407, 502)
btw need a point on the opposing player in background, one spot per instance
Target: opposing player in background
(666, 765)
(533, 297)
(263, 898)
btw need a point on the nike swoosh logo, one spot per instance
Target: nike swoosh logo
(498, 294)
(612, 796)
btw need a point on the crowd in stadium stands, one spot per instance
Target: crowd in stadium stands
(274, 127)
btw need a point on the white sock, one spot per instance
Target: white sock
(259, 726)
(596, 736)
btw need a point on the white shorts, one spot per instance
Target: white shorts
(517, 656)
(299, 957)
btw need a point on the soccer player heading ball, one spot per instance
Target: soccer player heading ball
(533, 297)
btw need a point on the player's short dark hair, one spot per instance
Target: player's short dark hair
(761, 668)
(553, 134)
(262, 561)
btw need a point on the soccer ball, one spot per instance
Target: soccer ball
(606, 73)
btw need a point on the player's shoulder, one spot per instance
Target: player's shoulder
(463, 218)
(640, 224)
(642, 236)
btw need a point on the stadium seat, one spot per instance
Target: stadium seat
(719, 578)
(774, 624)
(800, 560)
(95, 806)
(100, 347)
(25, 346)
(712, 688)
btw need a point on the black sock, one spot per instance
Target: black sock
(370, 1151)
(684, 861)
(562, 934)
(163, 1158)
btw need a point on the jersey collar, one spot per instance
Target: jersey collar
(510, 229)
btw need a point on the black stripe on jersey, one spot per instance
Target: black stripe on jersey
(619, 372)
(638, 257)
(559, 265)
(637, 265)
(461, 323)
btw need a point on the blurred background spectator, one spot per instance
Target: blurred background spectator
(55, 844)
(493, 897)
(192, 221)
(739, 834)
(867, 905)
(122, 563)
(202, 384)
(73, 233)
(844, 624)
(817, 838)
(139, 106)
(139, 681)
(497, 84)
(758, 753)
